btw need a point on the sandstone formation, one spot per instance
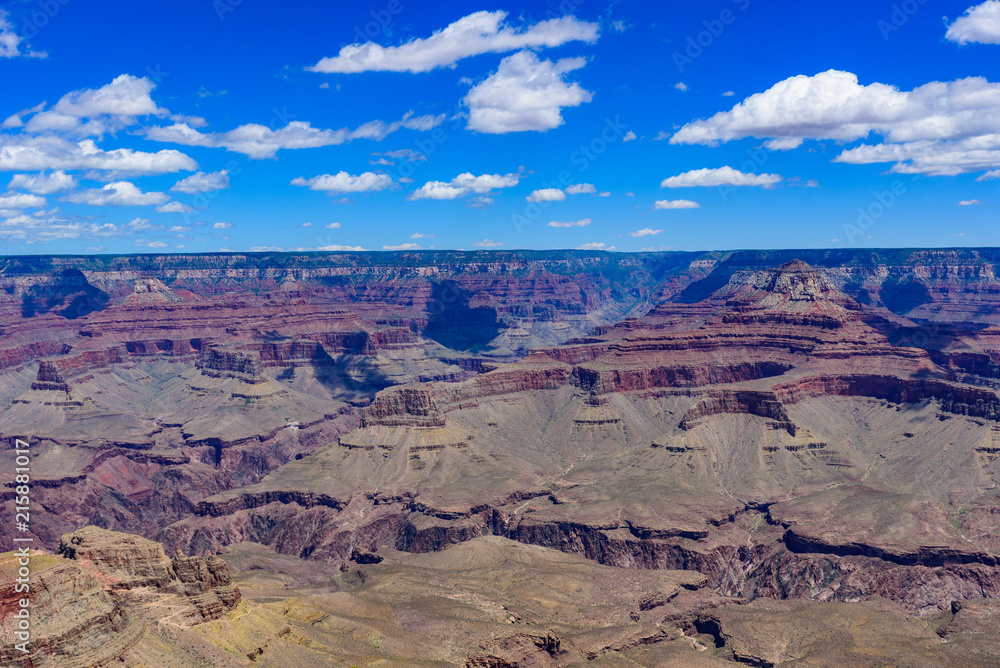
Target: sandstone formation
(95, 600)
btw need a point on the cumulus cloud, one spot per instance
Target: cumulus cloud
(13, 201)
(174, 207)
(33, 154)
(10, 41)
(681, 86)
(978, 24)
(938, 128)
(581, 189)
(667, 204)
(573, 223)
(629, 136)
(478, 33)
(142, 225)
(644, 232)
(118, 193)
(524, 94)
(723, 176)
(338, 247)
(94, 111)
(222, 226)
(333, 226)
(465, 184)
(418, 235)
(438, 190)
(969, 202)
(342, 182)
(46, 226)
(259, 141)
(547, 195)
(126, 97)
(488, 243)
(596, 245)
(43, 183)
(402, 247)
(200, 182)
(994, 174)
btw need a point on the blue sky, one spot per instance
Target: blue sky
(205, 125)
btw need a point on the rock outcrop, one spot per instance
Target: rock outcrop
(91, 603)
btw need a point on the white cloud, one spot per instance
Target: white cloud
(259, 141)
(488, 243)
(596, 245)
(46, 226)
(342, 182)
(174, 207)
(629, 136)
(978, 24)
(465, 184)
(150, 244)
(478, 33)
(681, 86)
(222, 226)
(142, 225)
(581, 189)
(21, 201)
(574, 223)
(604, 193)
(407, 154)
(125, 97)
(338, 247)
(418, 235)
(402, 247)
(118, 193)
(547, 195)
(200, 182)
(44, 183)
(938, 128)
(10, 41)
(438, 190)
(969, 202)
(728, 93)
(668, 204)
(644, 232)
(524, 94)
(109, 108)
(723, 176)
(620, 26)
(995, 174)
(486, 182)
(32, 154)
(333, 226)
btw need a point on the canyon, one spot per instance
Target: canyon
(510, 458)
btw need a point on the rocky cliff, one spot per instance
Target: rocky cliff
(93, 601)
